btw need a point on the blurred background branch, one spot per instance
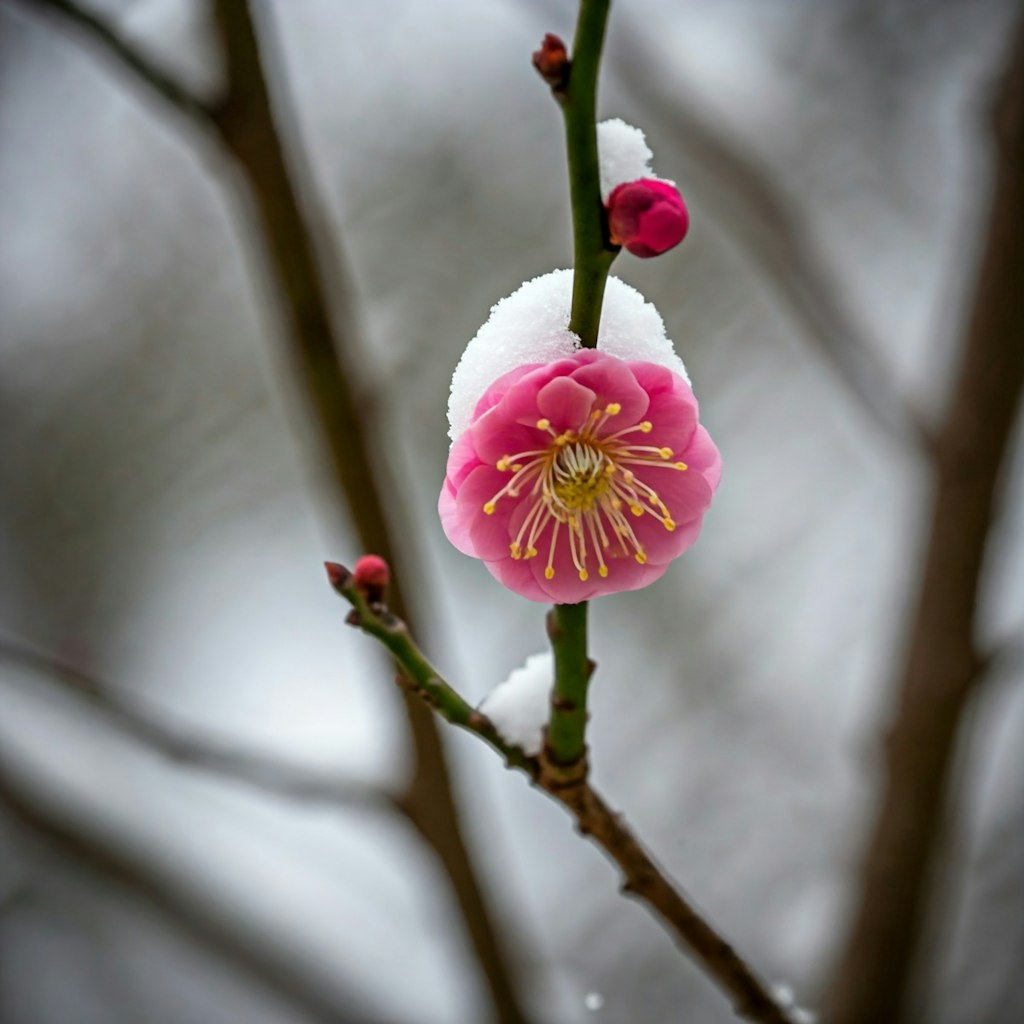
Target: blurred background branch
(113, 862)
(325, 353)
(262, 772)
(942, 668)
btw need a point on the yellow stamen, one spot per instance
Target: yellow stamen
(592, 481)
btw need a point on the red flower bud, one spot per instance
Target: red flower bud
(370, 576)
(552, 62)
(648, 217)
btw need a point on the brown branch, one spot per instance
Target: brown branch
(114, 861)
(645, 880)
(942, 665)
(324, 351)
(642, 877)
(267, 774)
(251, 129)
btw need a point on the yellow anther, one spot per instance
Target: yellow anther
(514, 549)
(668, 523)
(646, 427)
(563, 439)
(530, 553)
(609, 470)
(516, 466)
(603, 571)
(502, 463)
(641, 557)
(613, 408)
(543, 424)
(584, 575)
(681, 465)
(489, 508)
(636, 510)
(549, 573)
(665, 453)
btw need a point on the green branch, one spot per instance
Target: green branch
(416, 674)
(576, 93)
(593, 255)
(566, 740)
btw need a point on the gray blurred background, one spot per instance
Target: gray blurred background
(164, 511)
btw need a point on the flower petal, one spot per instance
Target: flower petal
(566, 403)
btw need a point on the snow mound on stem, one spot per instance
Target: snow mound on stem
(520, 706)
(622, 155)
(532, 326)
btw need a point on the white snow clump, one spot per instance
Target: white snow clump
(532, 326)
(520, 706)
(622, 155)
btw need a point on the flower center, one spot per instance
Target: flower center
(583, 481)
(580, 473)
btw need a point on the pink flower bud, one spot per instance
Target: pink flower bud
(648, 217)
(371, 575)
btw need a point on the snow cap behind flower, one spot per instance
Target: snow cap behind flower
(532, 326)
(520, 706)
(623, 155)
(632, 328)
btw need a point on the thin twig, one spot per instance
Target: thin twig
(642, 877)
(943, 668)
(116, 862)
(259, 771)
(244, 120)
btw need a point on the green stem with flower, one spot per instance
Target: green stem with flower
(577, 96)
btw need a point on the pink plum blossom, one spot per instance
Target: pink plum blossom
(581, 477)
(648, 216)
